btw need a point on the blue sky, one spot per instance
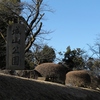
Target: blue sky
(74, 22)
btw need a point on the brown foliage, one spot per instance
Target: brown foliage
(52, 72)
(78, 78)
(95, 80)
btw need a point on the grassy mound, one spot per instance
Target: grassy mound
(16, 88)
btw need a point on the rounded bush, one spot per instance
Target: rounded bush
(78, 78)
(95, 80)
(52, 72)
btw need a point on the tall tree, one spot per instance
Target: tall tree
(73, 58)
(6, 15)
(44, 54)
(96, 47)
(28, 14)
(93, 65)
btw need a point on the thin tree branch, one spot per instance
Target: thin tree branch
(29, 44)
(3, 37)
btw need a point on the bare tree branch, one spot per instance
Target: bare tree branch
(31, 21)
(3, 37)
(33, 38)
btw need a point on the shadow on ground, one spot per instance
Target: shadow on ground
(17, 88)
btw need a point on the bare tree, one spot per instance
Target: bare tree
(29, 14)
(32, 22)
(96, 47)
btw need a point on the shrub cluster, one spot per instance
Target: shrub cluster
(78, 78)
(52, 72)
(95, 80)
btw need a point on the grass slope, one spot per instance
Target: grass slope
(16, 88)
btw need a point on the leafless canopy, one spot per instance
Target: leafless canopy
(26, 13)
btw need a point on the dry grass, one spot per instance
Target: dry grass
(17, 88)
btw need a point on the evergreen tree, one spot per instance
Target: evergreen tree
(44, 55)
(6, 15)
(73, 58)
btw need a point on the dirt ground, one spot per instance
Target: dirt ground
(17, 88)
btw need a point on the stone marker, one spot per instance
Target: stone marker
(15, 47)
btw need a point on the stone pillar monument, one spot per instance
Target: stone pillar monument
(15, 47)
